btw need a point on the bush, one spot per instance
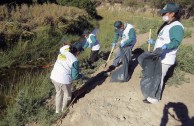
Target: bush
(185, 59)
(188, 33)
(88, 5)
(130, 3)
(29, 105)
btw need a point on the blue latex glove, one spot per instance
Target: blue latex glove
(90, 46)
(151, 41)
(113, 44)
(122, 44)
(164, 47)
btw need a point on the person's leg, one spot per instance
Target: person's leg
(117, 59)
(93, 56)
(165, 68)
(58, 96)
(67, 95)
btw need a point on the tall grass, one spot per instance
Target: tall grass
(33, 32)
(30, 103)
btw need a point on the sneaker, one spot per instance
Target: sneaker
(146, 101)
(152, 100)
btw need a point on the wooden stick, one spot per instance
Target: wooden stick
(109, 56)
(150, 35)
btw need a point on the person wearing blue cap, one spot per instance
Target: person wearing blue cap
(65, 70)
(127, 33)
(93, 43)
(170, 36)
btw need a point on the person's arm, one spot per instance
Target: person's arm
(116, 36)
(131, 35)
(86, 45)
(176, 37)
(93, 39)
(75, 71)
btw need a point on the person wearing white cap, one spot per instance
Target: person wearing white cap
(65, 70)
(170, 36)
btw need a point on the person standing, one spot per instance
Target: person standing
(93, 43)
(170, 36)
(65, 70)
(127, 33)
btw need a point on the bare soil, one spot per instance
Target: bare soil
(120, 104)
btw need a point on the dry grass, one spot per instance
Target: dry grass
(24, 19)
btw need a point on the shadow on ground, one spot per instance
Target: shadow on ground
(180, 113)
(89, 85)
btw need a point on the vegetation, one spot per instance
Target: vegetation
(185, 59)
(31, 33)
(88, 5)
(34, 90)
(30, 105)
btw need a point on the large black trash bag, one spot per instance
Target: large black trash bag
(152, 72)
(122, 73)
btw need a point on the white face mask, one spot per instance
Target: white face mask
(165, 18)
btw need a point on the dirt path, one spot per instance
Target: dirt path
(120, 104)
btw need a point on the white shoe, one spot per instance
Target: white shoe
(152, 100)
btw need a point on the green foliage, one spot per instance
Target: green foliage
(161, 3)
(29, 105)
(42, 46)
(188, 33)
(130, 3)
(178, 78)
(185, 59)
(38, 37)
(88, 5)
(145, 24)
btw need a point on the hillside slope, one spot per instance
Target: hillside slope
(120, 104)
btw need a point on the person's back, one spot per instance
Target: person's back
(62, 69)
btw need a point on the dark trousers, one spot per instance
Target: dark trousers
(93, 57)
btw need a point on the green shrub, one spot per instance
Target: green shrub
(188, 33)
(185, 59)
(29, 105)
(88, 5)
(130, 3)
(178, 77)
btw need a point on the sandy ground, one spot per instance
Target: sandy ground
(120, 104)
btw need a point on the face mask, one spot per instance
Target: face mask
(165, 18)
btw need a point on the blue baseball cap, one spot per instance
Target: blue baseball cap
(86, 32)
(118, 24)
(170, 7)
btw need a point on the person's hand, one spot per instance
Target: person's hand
(90, 46)
(113, 44)
(151, 41)
(122, 44)
(164, 47)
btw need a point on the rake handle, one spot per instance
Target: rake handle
(109, 56)
(150, 35)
